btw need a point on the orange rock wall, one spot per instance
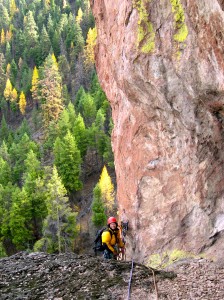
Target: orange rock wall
(168, 112)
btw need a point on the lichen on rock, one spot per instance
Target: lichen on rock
(146, 33)
(180, 25)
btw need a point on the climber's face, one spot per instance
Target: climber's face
(113, 226)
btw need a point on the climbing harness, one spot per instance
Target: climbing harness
(129, 283)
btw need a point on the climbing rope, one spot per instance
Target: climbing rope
(129, 283)
(155, 284)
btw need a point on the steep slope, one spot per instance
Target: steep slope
(161, 65)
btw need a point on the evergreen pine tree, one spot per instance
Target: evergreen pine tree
(18, 153)
(20, 218)
(98, 209)
(45, 44)
(68, 162)
(34, 185)
(2, 74)
(4, 130)
(80, 134)
(5, 172)
(51, 91)
(59, 230)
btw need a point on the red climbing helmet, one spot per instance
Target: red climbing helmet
(111, 220)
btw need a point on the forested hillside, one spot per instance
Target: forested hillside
(55, 120)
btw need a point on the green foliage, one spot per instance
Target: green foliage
(98, 209)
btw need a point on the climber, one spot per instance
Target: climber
(111, 239)
(124, 221)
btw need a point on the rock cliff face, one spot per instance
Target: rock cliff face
(161, 65)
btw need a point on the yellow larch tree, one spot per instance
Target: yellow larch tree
(2, 37)
(22, 103)
(35, 81)
(107, 190)
(79, 16)
(89, 48)
(8, 36)
(8, 90)
(14, 95)
(8, 70)
(12, 7)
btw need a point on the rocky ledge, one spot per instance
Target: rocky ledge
(38, 276)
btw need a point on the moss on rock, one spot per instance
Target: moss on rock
(167, 258)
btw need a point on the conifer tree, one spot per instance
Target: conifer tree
(71, 113)
(18, 153)
(20, 218)
(107, 190)
(80, 134)
(45, 44)
(31, 38)
(35, 86)
(31, 30)
(4, 17)
(68, 162)
(98, 209)
(89, 48)
(23, 128)
(4, 153)
(5, 172)
(59, 230)
(34, 185)
(22, 103)
(2, 37)
(51, 91)
(88, 108)
(64, 123)
(8, 55)
(5, 206)
(13, 72)
(2, 74)
(79, 16)
(4, 130)
(8, 35)
(12, 7)
(8, 91)
(14, 95)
